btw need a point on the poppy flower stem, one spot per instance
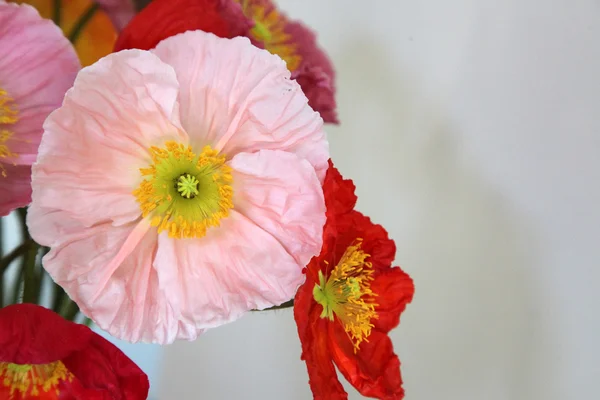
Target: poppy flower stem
(82, 22)
(287, 304)
(6, 261)
(31, 279)
(57, 5)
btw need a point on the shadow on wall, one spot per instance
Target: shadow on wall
(469, 332)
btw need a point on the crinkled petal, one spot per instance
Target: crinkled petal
(239, 98)
(22, 343)
(165, 18)
(375, 239)
(339, 194)
(374, 370)
(315, 73)
(37, 66)
(15, 188)
(108, 271)
(33, 335)
(313, 333)
(395, 289)
(280, 193)
(96, 142)
(105, 372)
(233, 269)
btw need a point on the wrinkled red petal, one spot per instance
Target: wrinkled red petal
(339, 193)
(106, 372)
(31, 334)
(165, 18)
(394, 289)
(375, 240)
(315, 74)
(374, 370)
(312, 331)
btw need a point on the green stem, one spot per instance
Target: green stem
(57, 5)
(59, 295)
(140, 4)
(2, 270)
(13, 255)
(69, 309)
(18, 286)
(287, 304)
(82, 22)
(5, 263)
(1, 237)
(31, 280)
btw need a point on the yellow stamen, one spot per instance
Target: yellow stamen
(347, 295)
(269, 29)
(8, 116)
(33, 379)
(184, 193)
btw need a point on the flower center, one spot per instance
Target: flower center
(187, 186)
(8, 116)
(346, 294)
(31, 379)
(184, 193)
(269, 29)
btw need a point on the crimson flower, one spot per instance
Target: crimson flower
(259, 20)
(350, 301)
(43, 356)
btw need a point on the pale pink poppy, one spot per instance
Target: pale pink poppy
(37, 66)
(120, 12)
(180, 187)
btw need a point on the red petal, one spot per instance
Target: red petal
(374, 370)
(32, 334)
(344, 231)
(395, 289)
(105, 372)
(312, 331)
(339, 192)
(315, 74)
(165, 18)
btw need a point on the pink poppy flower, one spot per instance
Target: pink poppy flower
(120, 12)
(37, 66)
(180, 187)
(259, 20)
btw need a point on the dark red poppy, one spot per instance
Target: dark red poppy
(43, 356)
(258, 20)
(350, 301)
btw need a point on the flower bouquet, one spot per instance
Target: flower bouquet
(179, 180)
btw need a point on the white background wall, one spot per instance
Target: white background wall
(472, 131)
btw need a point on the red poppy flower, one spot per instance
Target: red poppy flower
(43, 356)
(258, 20)
(351, 299)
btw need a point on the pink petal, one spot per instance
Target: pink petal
(96, 142)
(127, 301)
(120, 12)
(281, 193)
(37, 66)
(235, 268)
(15, 188)
(239, 98)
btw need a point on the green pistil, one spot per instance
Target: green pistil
(261, 31)
(324, 297)
(187, 186)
